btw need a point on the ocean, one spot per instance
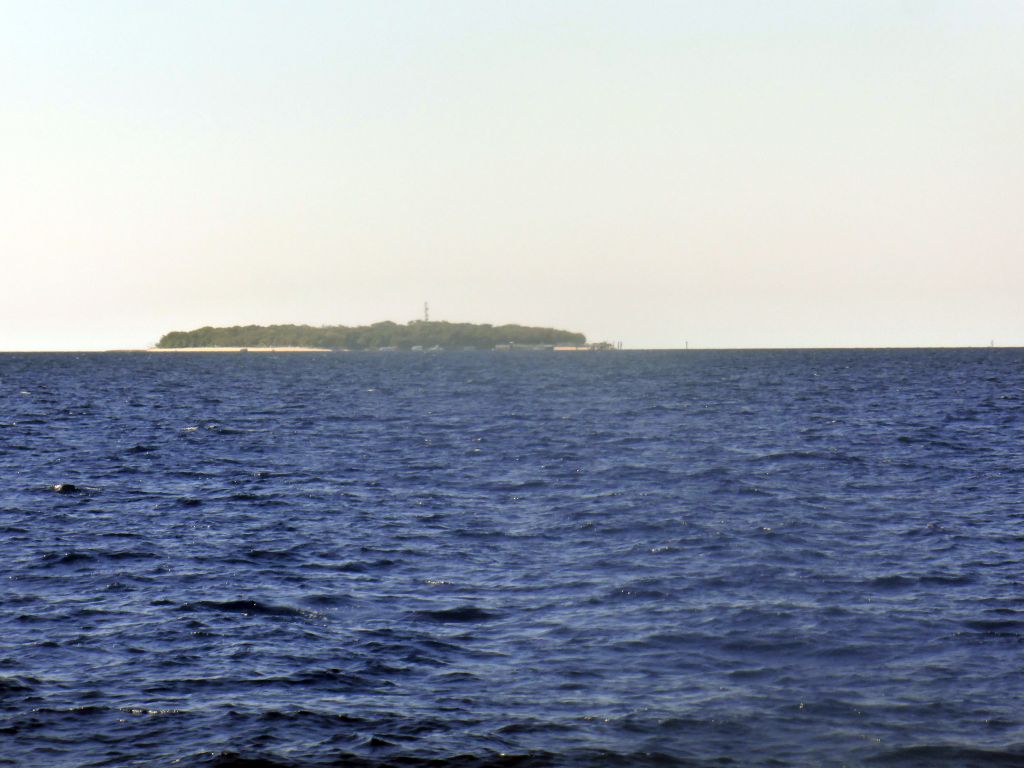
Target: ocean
(705, 558)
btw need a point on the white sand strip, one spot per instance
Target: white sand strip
(239, 349)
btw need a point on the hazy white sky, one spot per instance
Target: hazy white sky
(728, 173)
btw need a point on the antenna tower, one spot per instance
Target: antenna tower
(426, 312)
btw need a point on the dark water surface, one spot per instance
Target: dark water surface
(485, 559)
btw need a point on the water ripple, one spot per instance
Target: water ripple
(633, 559)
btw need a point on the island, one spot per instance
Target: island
(418, 335)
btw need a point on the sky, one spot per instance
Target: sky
(724, 174)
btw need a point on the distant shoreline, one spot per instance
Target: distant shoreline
(145, 350)
(238, 349)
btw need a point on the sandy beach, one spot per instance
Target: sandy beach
(240, 349)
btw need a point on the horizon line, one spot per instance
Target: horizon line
(285, 348)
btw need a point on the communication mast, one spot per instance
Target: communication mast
(426, 312)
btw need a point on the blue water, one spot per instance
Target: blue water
(536, 559)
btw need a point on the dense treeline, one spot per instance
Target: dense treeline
(385, 334)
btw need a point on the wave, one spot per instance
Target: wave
(246, 607)
(539, 759)
(467, 613)
(950, 756)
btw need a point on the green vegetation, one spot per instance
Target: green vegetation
(385, 334)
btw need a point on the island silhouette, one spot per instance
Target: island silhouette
(386, 335)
